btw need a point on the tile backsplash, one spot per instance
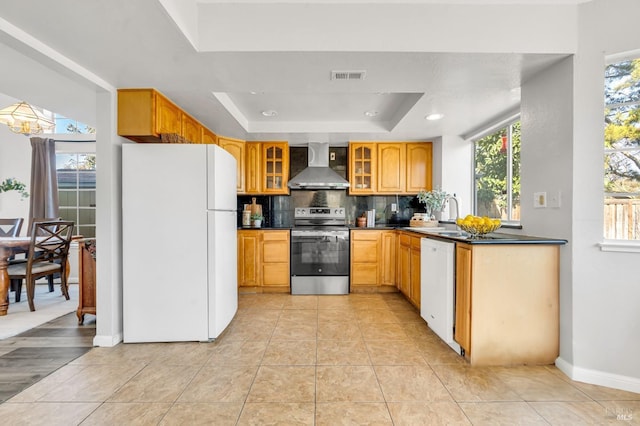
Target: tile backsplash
(278, 210)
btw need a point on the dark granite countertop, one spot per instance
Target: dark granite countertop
(491, 238)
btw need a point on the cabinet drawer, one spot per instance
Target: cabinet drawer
(275, 252)
(275, 274)
(365, 251)
(276, 236)
(405, 239)
(364, 274)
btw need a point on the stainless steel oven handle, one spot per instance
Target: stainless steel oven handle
(312, 234)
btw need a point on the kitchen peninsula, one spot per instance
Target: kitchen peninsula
(506, 291)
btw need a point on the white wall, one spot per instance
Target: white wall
(546, 165)
(15, 162)
(456, 171)
(562, 150)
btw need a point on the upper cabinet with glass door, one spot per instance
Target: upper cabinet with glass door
(275, 167)
(362, 168)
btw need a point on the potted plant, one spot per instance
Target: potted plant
(12, 184)
(433, 201)
(256, 220)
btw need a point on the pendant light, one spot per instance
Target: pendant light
(24, 119)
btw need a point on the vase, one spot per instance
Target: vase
(256, 223)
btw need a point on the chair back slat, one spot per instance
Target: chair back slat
(10, 227)
(50, 240)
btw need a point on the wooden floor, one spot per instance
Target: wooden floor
(309, 360)
(34, 354)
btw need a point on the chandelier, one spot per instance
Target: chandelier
(23, 118)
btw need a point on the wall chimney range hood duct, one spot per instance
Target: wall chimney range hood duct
(318, 175)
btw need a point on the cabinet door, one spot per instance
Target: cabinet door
(168, 116)
(276, 272)
(248, 258)
(362, 168)
(419, 167)
(462, 333)
(253, 164)
(404, 265)
(275, 163)
(415, 272)
(365, 248)
(387, 260)
(208, 136)
(236, 148)
(191, 129)
(391, 167)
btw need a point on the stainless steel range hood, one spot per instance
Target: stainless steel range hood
(318, 175)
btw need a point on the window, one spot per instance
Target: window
(497, 174)
(77, 190)
(622, 151)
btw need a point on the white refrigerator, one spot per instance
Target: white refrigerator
(179, 227)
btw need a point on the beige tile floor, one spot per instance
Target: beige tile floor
(324, 360)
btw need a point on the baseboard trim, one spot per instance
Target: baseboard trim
(107, 341)
(600, 378)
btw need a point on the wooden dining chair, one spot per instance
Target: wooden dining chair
(16, 284)
(10, 227)
(48, 252)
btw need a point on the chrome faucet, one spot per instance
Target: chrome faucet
(452, 198)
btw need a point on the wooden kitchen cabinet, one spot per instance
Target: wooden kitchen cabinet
(507, 303)
(263, 261)
(390, 167)
(276, 273)
(388, 258)
(275, 168)
(208, 137)
(248, 258)
(236, 147)
(462, 333)
(372, 261)
(404, 264)
(362, 168)
(414, 294)
(267, 168)
(391, 170)
(419, 167)
(145, 114)
(408, 275)
(253, 161)
(365, 254)
(191, 129)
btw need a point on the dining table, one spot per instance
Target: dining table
(7, 247)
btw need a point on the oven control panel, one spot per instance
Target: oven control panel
(319, 213)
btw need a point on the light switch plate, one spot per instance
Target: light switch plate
(539, 200)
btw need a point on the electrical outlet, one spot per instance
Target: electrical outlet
(539, 200)
(394, 207)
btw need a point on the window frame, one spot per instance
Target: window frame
(77, 146)
(617, 244)
(501, 125)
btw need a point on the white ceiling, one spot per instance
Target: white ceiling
(150, 43)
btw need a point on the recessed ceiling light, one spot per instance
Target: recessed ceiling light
(269, 113)
(371, 113)
(435, 116)
(253, 93)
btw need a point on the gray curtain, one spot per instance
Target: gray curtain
(44, 181)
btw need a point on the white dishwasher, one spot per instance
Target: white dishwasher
(437, 288)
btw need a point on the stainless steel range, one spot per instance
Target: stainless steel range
(320, 251)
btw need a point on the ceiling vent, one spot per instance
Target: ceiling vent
(348, 75)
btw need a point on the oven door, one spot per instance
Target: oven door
(317, 252)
